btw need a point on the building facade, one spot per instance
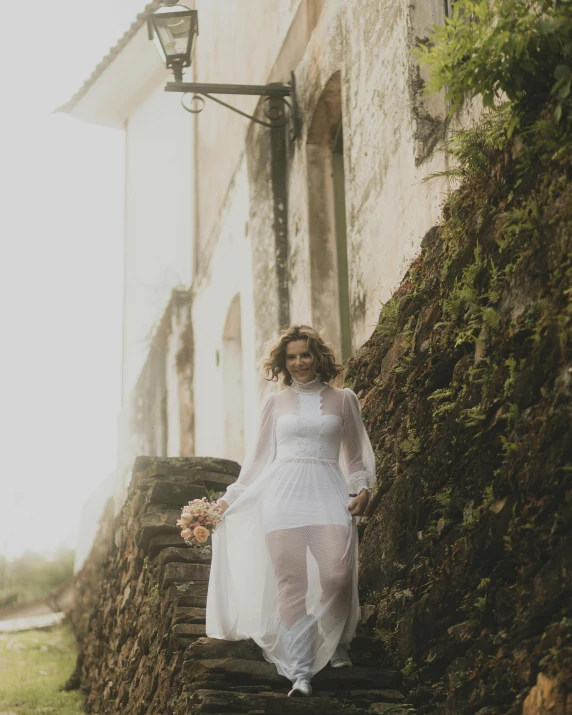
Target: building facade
(233, 230)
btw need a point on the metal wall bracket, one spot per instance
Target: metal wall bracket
(279, 105)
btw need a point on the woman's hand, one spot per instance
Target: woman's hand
(358, 504)
(222, 506)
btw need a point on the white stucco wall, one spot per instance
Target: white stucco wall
(229, 274)
(158, 221)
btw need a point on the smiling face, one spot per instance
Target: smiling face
(299, 363)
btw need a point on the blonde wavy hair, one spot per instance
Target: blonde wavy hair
(325, 362)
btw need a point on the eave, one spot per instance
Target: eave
(129, 71)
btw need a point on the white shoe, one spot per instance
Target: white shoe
(300, 688)
(341, 659)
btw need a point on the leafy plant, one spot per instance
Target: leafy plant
(473, 416)
(389, 325)
(154, 596)
(411, 445)
(518, 50)
(410, 672)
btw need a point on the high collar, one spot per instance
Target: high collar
(312, 387)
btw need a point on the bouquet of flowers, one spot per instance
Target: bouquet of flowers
(198, 520)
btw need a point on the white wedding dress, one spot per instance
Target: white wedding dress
(284, 565)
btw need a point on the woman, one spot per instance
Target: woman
(284, 567)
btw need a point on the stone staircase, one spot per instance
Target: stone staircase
(145, 651)
(232, 677)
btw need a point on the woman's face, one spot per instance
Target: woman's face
(299, 363)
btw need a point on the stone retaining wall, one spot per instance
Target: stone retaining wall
(145, 652)
(466, 386)
(149, 604)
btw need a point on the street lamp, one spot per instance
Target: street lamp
(174, 29)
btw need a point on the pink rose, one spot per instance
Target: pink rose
(186, 533)
(201, 534)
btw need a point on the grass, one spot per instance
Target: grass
(34, 665)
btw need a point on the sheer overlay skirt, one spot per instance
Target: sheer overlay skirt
(284, 568)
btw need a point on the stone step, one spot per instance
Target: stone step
(239, 671)
(183, 635)
(154, 523)
(198, 486)
(389, 695)
(190, 593)
(149, 467)
(184, 573)
(361, 646)
(190, 615)
(362, 649)
(215, 649)
(188, 555)
(218, 702)
(216, 481)
(189, 629)
(356, 678)
(365, 698)
(174, 541)
(176, 491)
(391, 709)
(165, 541)
(232, 671)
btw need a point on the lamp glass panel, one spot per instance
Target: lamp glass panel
(173, 31)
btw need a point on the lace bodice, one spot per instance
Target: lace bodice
(312, 421)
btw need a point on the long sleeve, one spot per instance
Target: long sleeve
(356, 455)
(261, 455)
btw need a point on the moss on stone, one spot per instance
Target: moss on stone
(467, 387)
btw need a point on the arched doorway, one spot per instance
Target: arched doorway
(233, 388)
(327, 219)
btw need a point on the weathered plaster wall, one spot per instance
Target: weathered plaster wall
(390, 131)
(238, 44)
(387, 207)
(270, 53)
(265, 232)
(229, 275)
(158, 417)
(158, 221)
